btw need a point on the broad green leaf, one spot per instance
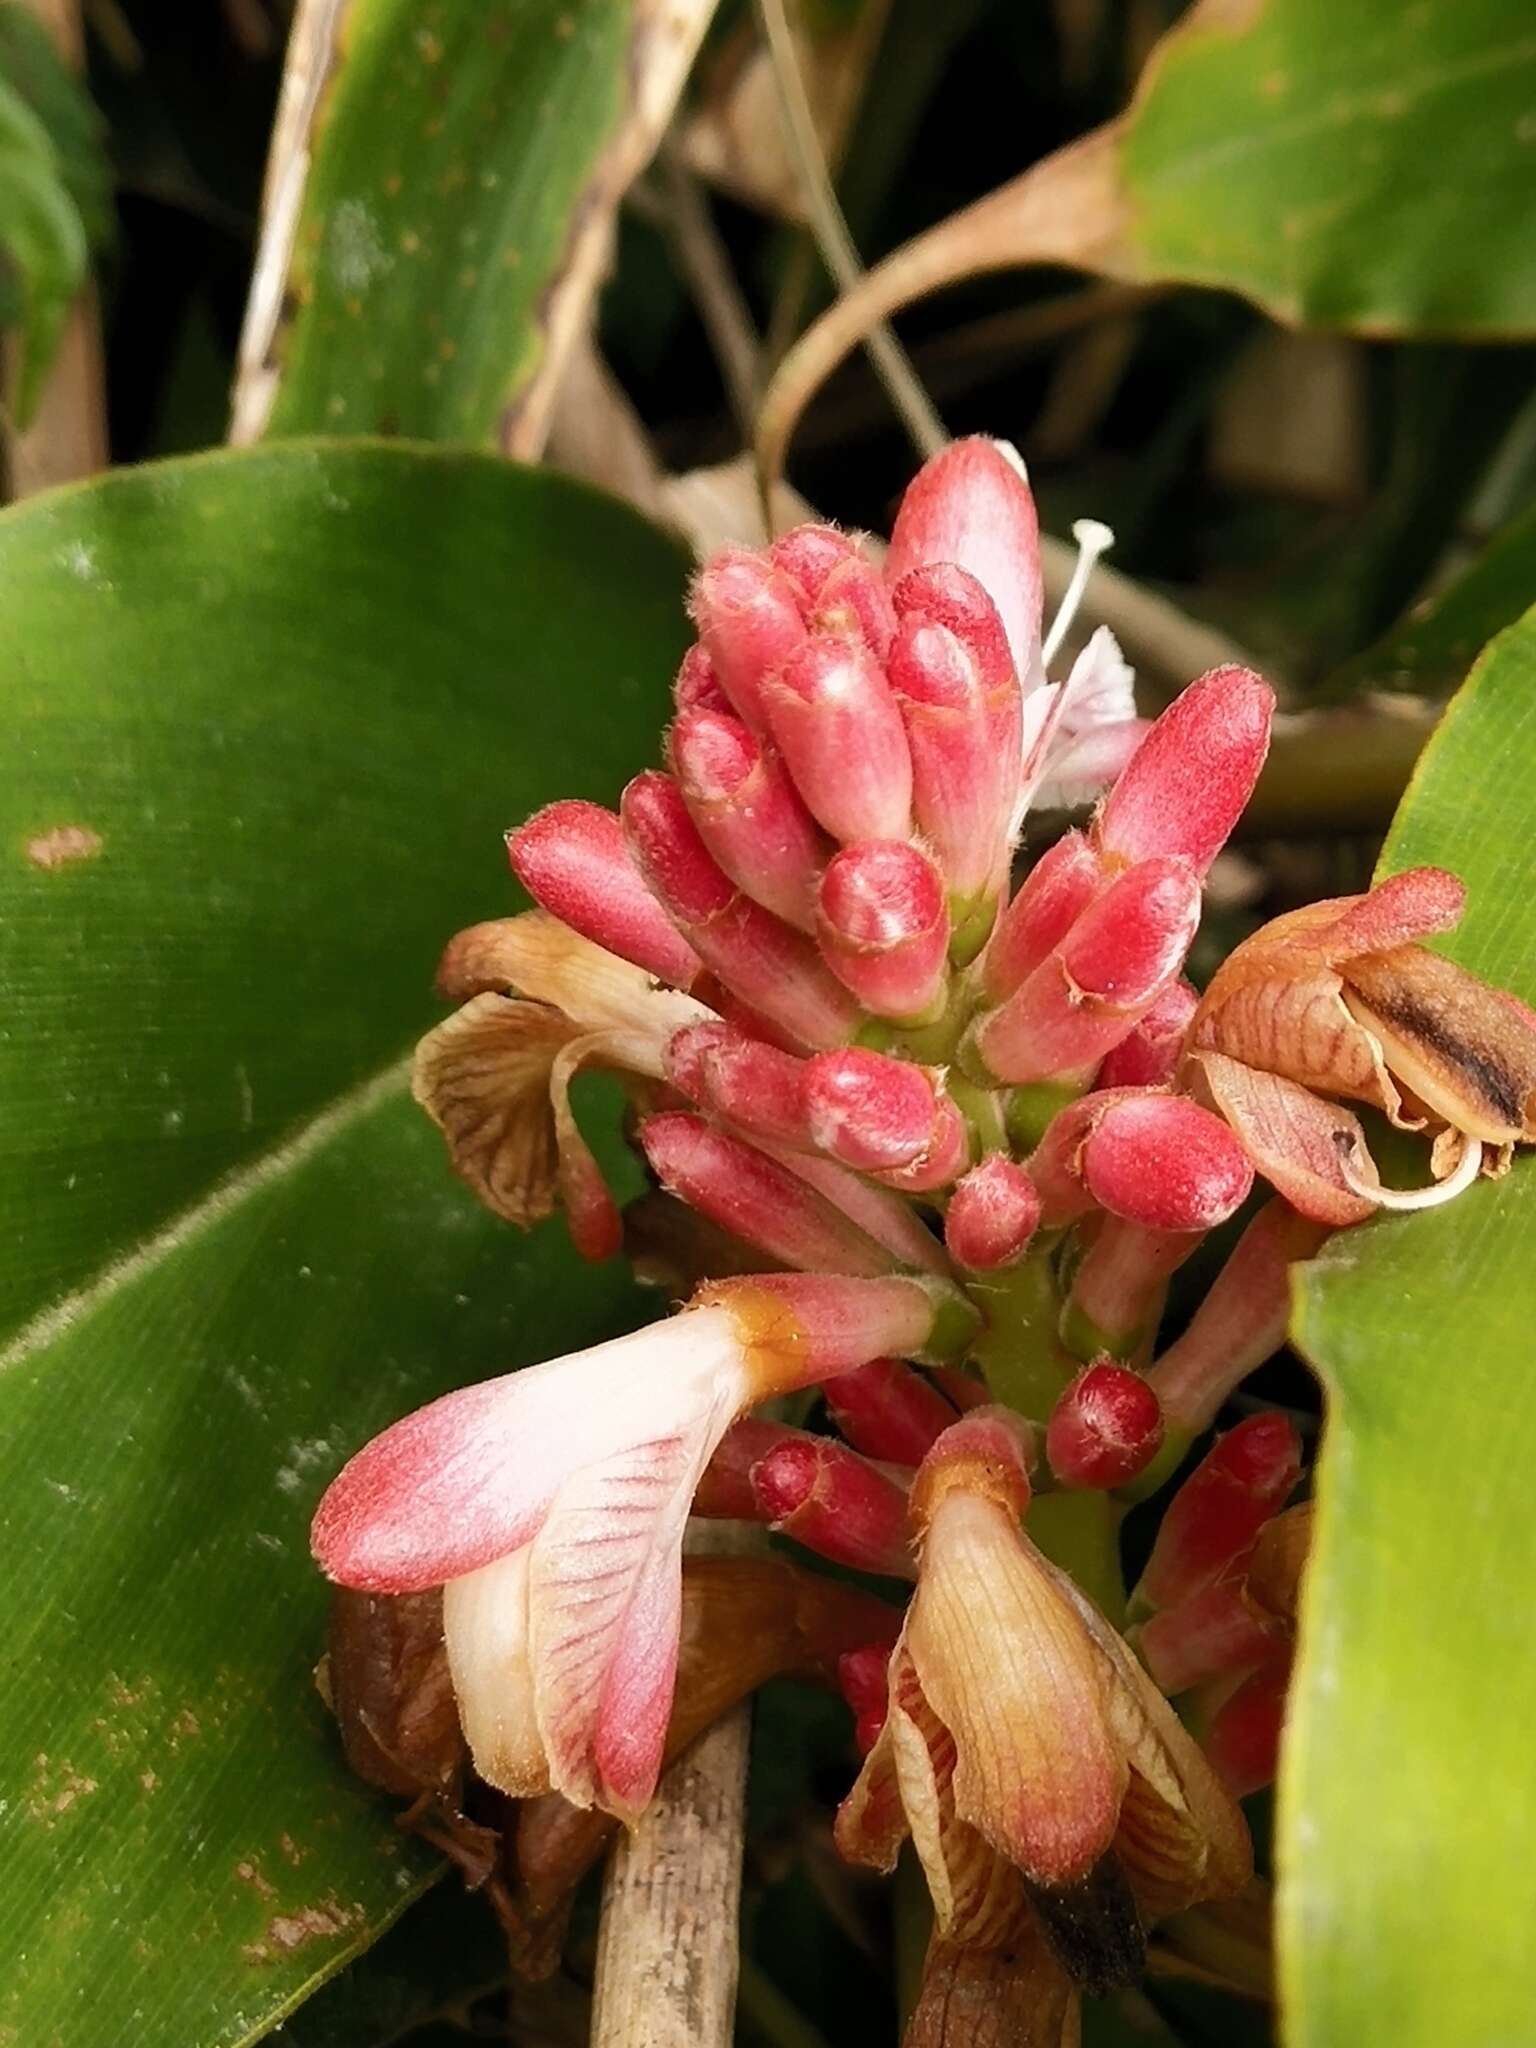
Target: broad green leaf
(464, 157)
(1408, 1803)
(1342, 162)
(267, 714)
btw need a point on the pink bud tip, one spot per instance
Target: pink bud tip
(838, 727)
(1243, 1480)
(737, 1077)
(804, 1328)
(992, 1215)
(1105, 1429)
(676, 863)
(697, 687)
(750, 619)
(755, 1198)
(883, 923)
(1164, 1162)
(867, 1110)
(1082, 1001)
(748, 811)
(962, 775)
(835, 1503)
(854, 599)
(1185, 787)
(945, 596)
(886, 1410)
(764, 962)
(862, 1678)
(971, 505)
(1217, 1633)
(1051, 898)
(1242, 1742)
(808, 554)
(572, 860)
(1150, 1057)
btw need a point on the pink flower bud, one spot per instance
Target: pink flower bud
(1243, 1480)
(971, 505)
(869, 1111)
(1105, 975)
(1215, 1633)
(1105, 1429)
(1051, 898)
(1184, 788)
(1150, 1057)
(854, 600)
(992, 1215)
(960, 792)
(803, 1328)
(748, 812)
(945, 595)
(1163, 1161)
(750, 620)
(886, 1217)
(863, 1682)
(697, 687)
(837, 725)
(572, 860)
(755, 1198)
(886, 1410)
(947, 1156)
(740, 1079)
(1242, 1320)
(883, 923)
(835, 1503)
(724, 1492)
(808, 555)
(769, 966)
(1243, 1739)
(1119, 1286)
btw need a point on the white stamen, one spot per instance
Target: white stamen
(1445, 1190)
(1093, 537)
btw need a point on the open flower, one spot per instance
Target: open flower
(1024, 1749)
(1337, 1000)
(550, 1505)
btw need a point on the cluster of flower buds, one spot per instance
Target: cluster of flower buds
(942, 1143)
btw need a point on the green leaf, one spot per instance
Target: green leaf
(268, 714)
(43, 248)
(1408, 1803)
(457, 154)
(1342, 162)
(31, 65)
(1432, 647)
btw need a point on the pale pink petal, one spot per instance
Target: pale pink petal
(473, 1475)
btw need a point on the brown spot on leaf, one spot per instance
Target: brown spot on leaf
(252, 1874)
(63, 845)
(286, 1932)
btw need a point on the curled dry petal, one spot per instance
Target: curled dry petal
(537, 956)
(1468, 1052)
(1016, 1995)
(388, 1683)
(1296, 1141)
(483, 1077)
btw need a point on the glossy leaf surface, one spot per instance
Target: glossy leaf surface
(1408, 1804)
(269, 713)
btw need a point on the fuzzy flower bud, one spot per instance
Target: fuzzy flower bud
(1105, 1429)
(572, 860)
(993, 1213)
(1187, 783)
(838, 727)
(748, 812)
(883, 923)
(1099, 982)
(750, 621)
(1217, 1512)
